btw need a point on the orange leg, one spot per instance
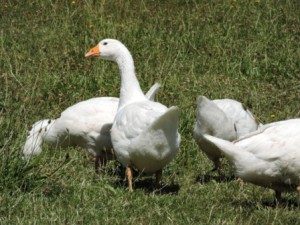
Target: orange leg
(298, 190)
(158, 176)
(129, 177)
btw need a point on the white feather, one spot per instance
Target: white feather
(268, 157)
(223, 118)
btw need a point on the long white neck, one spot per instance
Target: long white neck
(130, 88)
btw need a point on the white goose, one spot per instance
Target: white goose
(223, 118)
(268, 157)
(144, 133)
(86, 124)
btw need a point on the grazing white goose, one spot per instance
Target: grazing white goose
(223, 118)
(144, 133)
(268, 157)
(86, 124)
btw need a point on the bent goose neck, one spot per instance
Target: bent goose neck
(130, 87)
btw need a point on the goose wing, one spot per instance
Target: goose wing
(135, 118)
(242, 117)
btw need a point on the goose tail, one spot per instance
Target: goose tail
(168, 122)
(231, 151)
(35, 138)
(171, 117)
(152, 91)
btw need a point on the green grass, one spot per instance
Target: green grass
(245, 50)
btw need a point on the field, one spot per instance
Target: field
(244, 50)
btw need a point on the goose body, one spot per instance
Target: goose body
(268, 157)
(223, 118)
(144, 133)
(86, 124)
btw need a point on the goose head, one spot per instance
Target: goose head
(108, 49)
(114, 50)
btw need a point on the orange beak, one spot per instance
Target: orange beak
(94, 52)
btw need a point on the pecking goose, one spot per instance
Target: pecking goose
(268, 157)
(86, 124)
(144, 133)
(223, 118)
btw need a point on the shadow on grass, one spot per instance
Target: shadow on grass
(148, 186)
(206, 178)
(140, 181)
(257, 204)
(285, 203)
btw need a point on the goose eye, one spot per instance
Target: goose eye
(105, 43)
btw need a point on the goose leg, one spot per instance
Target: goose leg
(218, 168)
(97, 164)
(298, 190)
(158, 176)
(67, 156)
(278, 196)
(129, 177)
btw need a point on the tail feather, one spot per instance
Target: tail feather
(171, 116)
(231, 151)
(168, 122)
(35, 138)
(164, 144)
(152, 91)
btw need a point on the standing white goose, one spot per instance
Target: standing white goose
(144, 133)
(86, 124)
(268, 157)
(223, 118)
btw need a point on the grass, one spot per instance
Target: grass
(245, 50)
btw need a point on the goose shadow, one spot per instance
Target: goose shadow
(147, 184)
(140, 181)
(208, 177)
(284, 203)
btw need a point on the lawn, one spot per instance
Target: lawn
(244, 50)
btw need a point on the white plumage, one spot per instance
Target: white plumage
(145, 136)
(223, 118)
(144, 133)
(86, 124)
(268, 157)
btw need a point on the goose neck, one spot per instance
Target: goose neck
(130, 88)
